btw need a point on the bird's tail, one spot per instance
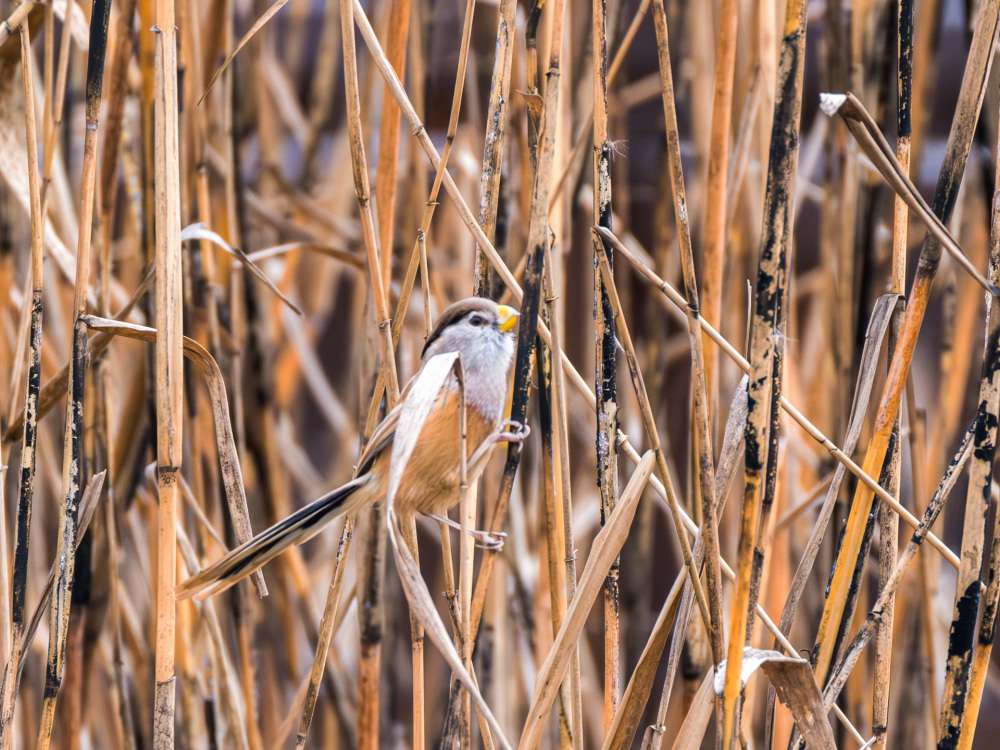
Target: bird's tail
(271, 542)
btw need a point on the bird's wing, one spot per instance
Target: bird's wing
(383, 434)
(382, 438)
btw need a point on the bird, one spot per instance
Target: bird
(481, 331)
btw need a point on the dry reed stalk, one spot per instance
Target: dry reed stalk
(169, 364)
(540, 248)
(732, 445)
(701, 397)
(495, 141)
(888, 522)
(605, 385)
(26, 477)
(72, 448)
(766, 353)
(326, 630)
(840, 672)
(878, 326)
(970, 101)
(716, 190)
(388, 139)
(606, 548)
(962, 645)
(368, 721)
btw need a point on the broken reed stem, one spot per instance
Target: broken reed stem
(169, 364)
(945, 196)
(33, 375)
(73, 433)
(605, 380)
(699, 384)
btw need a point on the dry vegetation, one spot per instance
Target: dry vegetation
(653, 181)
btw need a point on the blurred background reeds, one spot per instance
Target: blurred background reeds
(763, 392)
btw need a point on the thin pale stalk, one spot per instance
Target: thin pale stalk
(652, 435)
(702, 398)
(326, 630)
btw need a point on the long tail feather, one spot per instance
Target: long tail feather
(268, 544)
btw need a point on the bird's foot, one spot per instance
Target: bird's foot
(486, 539)
(512, 431)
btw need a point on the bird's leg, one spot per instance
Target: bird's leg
(517, 435)
(485, 539)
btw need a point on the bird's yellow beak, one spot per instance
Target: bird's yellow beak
(508, 317)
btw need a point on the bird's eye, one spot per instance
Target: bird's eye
(477, 320)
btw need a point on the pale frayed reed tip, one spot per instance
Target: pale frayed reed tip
(831, 103)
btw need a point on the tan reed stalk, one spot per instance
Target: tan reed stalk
(960, 678)
(169, 365)
(56, 108)
(766, 353)
(368, 720)
(888, 521)
(388, 138)
(716, 190)
(539, 245)
(72, 447)
(841, 671)
(326, 631)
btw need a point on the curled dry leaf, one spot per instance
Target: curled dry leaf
(795, 682)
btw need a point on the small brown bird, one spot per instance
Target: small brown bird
(479, 330)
